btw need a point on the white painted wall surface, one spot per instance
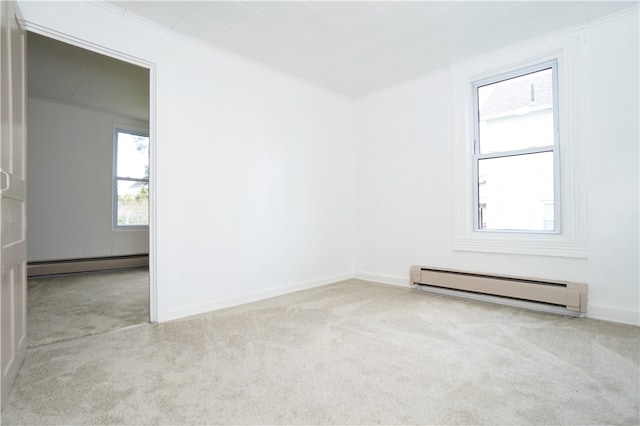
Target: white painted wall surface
(253, 169)
(404, 181)
(268, 162)
(70, 184)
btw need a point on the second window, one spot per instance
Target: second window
(131, 180)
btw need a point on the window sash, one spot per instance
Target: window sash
(536, 150)
(117, 178)
(132, 179)
(477, 156)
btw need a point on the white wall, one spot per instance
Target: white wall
(404, 181)
(70, 184)
(268, 164)
(253, 172)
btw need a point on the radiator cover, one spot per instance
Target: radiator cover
(569, 295)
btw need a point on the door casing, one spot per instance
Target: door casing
(103, 50)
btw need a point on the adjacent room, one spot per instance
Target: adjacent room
(87, 198)
(356, 212)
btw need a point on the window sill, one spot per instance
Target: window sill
(538, 245)
(131, 228)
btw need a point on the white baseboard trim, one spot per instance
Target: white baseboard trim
(384, 279)
(594, 312)
(613, 315)
(187, 311)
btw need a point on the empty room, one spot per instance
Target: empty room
(88, 235)
(358, 212)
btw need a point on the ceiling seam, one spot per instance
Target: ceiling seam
(343, 27)
(182, 17)
(290, 31)
(84, 75)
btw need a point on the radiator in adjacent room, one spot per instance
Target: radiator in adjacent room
(566, 295)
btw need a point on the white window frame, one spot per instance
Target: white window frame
(477, 155)
(116, 178)
(568, 49)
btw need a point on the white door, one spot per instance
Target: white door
(13, 252)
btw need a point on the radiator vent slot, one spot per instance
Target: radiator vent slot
(567, 295)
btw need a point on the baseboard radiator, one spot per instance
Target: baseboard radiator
(70, 266)
(567, 296)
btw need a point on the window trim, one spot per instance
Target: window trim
(477, 155)
(568, 48)
(114, 191)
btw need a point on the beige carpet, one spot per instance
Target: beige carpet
(349, 353)
(69, 306)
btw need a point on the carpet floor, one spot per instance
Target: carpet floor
(65, 307)
(353, 352)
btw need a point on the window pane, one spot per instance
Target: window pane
(516, 193)
(133, 203)
(133, 156)
(516, 113)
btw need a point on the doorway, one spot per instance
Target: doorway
(88, 271)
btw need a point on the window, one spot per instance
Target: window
(131, 179)
(497, 155)
(516, 151)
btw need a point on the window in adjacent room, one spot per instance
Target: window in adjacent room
(131, 179)
(515, 158)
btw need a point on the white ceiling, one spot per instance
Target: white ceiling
(354, 47)
(69, 74)
(349, 47)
